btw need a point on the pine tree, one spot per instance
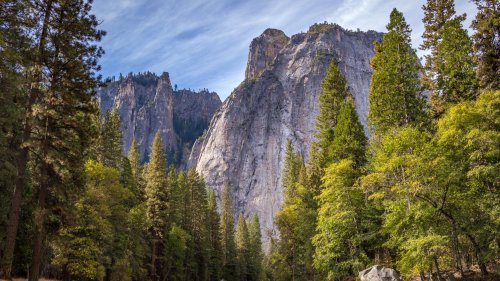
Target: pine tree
(14, 44)
(134, 157)
(290, 170)
(349, 140)
(156, 199)
(334, 91)
(62, 109)
(228, 244)
(456, 80)
(294, 251)
(436, 14)
(242, 248)
(449, 68)
(110, 140)
(395, 89)
(213, 225)
(198, 227)
(338, 241)
(256, 255)
(486, 46)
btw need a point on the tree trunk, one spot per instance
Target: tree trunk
(153, 261)
(471, 238)
(22, 159)
(422, 275)
(438, 272)
(39, 230)
(14, 213)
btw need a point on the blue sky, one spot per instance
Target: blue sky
(204, 43)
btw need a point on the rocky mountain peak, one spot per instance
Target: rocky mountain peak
(148, 104)
(244, 146)
(263, 50)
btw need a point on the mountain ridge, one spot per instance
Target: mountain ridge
(147, 103)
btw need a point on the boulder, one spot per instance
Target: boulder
(379, 273)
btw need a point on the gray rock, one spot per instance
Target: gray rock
(379, 273)
(147, 104)
(244, 145)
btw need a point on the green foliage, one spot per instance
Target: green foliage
(228, 243)
(256, 255)
(177, 247)
(487, 27)
(456, 79)
(394, 96)
(134, 157)
(95, 241)
(109, 143)
(213, 226)
(338, 240)
(156, 196)
(349, 138)
(334, 91)
(242, 248)
(292, 258)
(322, 27)
(429, 184)
(436, 14)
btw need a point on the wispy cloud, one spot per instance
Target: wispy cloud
(204, 43)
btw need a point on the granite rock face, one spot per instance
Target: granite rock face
(147, 104)
(264, 49)
(244, 146)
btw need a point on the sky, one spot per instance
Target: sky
(204, 43)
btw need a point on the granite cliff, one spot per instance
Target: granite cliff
(244, 146)
(147, 103)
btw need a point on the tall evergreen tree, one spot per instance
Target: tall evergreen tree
(213, 225)
(242, 248)
(436, 14)
(156, 199)
(198, 228)
(456, 80)
(334, 91)
(449, 67)
(294, 251)
(14, 44)
(349, 140)
(394, 96)
(338, 240)
(62, 107)
(134, 157)
(486, 43)
(228, 244)
(110, 141)
(256, 255)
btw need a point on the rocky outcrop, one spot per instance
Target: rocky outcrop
(147, 104)
(263, 50)
(244, 146)
(379, 273)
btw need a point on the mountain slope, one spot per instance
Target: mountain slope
(147, 103)
(244, 146)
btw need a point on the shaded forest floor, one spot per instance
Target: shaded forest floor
(473, 274)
